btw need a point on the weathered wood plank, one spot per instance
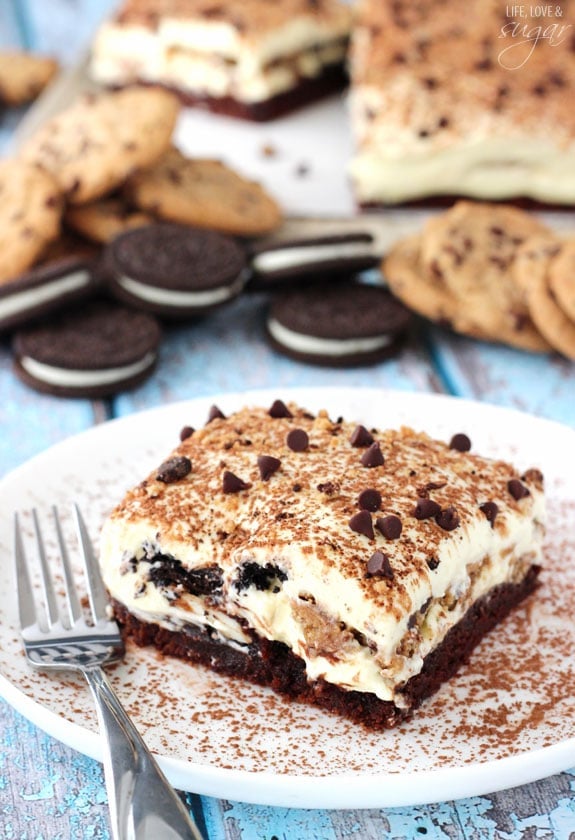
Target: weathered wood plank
(227, 351)
(62, 28)
(31, 422)
(47, 790)
(540, 384)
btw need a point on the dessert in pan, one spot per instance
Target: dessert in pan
(346, 567)
(251, 59)
(452, 104)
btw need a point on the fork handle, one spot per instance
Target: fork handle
(143, 804)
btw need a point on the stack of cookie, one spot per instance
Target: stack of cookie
(98, 171)
(490, 271)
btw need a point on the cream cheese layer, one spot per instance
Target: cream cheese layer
(214, 59)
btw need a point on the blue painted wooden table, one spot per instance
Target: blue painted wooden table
(48, 790)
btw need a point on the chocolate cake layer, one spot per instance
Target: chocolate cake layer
(332, 79)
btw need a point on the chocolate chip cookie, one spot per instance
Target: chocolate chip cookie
(204, 193)
(30, 214)
(93, 146)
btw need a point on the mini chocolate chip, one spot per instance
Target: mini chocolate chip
(373, 457)
(186, 432)
(423, 491)
(517, 489)
(389, 527)
(297, 440)
(174, 469)
(460, 442)
(296, 488)
(215, 413)
(267, 466)
(360, 437)
(232, 483)
(379, 565)
(433, 563)
(490, 510)
(426, 508)
(448, 519)
(279, 409)
(330, 488)
(361, 523)
(369, 499)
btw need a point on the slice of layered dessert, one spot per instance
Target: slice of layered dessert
(343, 566)
(253, 59)
(452, 104)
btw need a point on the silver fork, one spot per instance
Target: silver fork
(143, 805)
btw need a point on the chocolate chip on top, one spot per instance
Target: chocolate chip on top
(279, 409)
(232, 483)
(448, 519)
(329, 488)
(426, 508)
(517, 489)
(297, 440)
(186, 432)
(360, 437)
(267, 466)
(174, 469)
(373, 456)
(361, 523)
(215, 413)
(460, 442)
(369, 499)
(389, 527)
(378, 565)
(490, 509)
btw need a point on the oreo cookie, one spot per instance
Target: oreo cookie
(338, 325)
(327, 257)
(174, 270)
(63, 277)
(91, 351)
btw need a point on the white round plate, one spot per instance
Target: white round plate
(505, 720)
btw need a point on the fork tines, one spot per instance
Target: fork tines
(46, 615)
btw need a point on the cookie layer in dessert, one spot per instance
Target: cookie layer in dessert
(252, 59)
(343, 566)
(474, 104)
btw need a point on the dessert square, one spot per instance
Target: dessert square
(251, 59)
(470, 103)
(346, 567)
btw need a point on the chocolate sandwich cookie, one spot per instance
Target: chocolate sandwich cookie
(340, 326)
(47, 287)
(94, 350)
(320, 258)
(174, 270)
